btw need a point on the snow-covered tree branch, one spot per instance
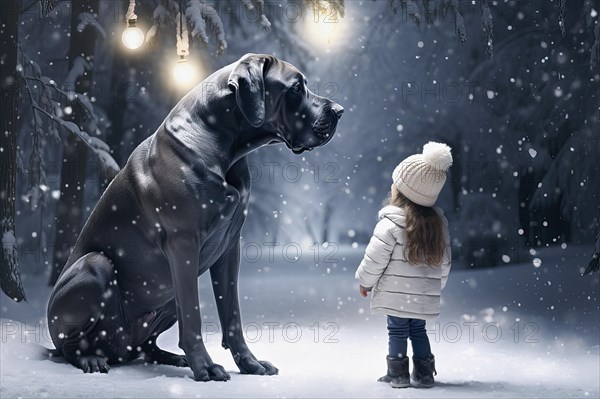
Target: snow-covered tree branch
(206, 24)
(57, 110)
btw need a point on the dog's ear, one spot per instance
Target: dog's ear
(247, 80)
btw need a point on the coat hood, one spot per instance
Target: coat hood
(398, 216)
(394, 213)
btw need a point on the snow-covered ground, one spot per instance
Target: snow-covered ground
(516, 331)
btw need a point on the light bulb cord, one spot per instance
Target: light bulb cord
(130, 15)
(181, 19)
(181, 33)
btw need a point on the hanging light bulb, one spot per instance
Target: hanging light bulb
(132, 37)
(325, 28)
(183, 72)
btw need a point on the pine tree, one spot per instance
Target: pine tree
(9, 267)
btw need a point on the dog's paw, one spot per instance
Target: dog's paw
(180, 361)
(250, 365)
(173, 360)
(269, 368)
(213, 372)
(93, 364)
(167, 358)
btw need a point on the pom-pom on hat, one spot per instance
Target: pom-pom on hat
(420, 177)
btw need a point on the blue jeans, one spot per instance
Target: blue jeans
(399, 329)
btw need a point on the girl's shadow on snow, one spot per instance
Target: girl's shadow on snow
(488, 386)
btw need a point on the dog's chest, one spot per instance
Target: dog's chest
(222, 236)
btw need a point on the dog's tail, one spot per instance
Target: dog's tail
(54, 353)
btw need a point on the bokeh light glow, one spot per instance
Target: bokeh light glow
(323, 29)
(183, 72)
(132, 37)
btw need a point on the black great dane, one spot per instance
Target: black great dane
(175, 211)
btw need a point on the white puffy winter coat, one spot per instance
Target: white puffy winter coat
(399, 288)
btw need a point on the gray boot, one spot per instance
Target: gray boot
(423, 372)
(397, 372)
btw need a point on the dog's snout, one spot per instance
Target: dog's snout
(338, 110)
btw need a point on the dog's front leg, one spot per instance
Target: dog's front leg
(224, 276)
(182, 253)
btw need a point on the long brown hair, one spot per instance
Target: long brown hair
(425, 242)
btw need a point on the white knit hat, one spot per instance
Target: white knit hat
(420, 177)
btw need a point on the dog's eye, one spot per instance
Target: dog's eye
(297, 87)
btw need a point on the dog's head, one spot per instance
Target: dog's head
(273, 96)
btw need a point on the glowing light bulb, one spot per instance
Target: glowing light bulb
(325, 29)
(183, 72)
(132, 37)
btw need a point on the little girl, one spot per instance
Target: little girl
(407, 262)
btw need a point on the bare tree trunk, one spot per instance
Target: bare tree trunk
(526, 190)
(456, 171)
(310, 230)
(69, 209)
(117, 107)
(9, 267)
(327, 212)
